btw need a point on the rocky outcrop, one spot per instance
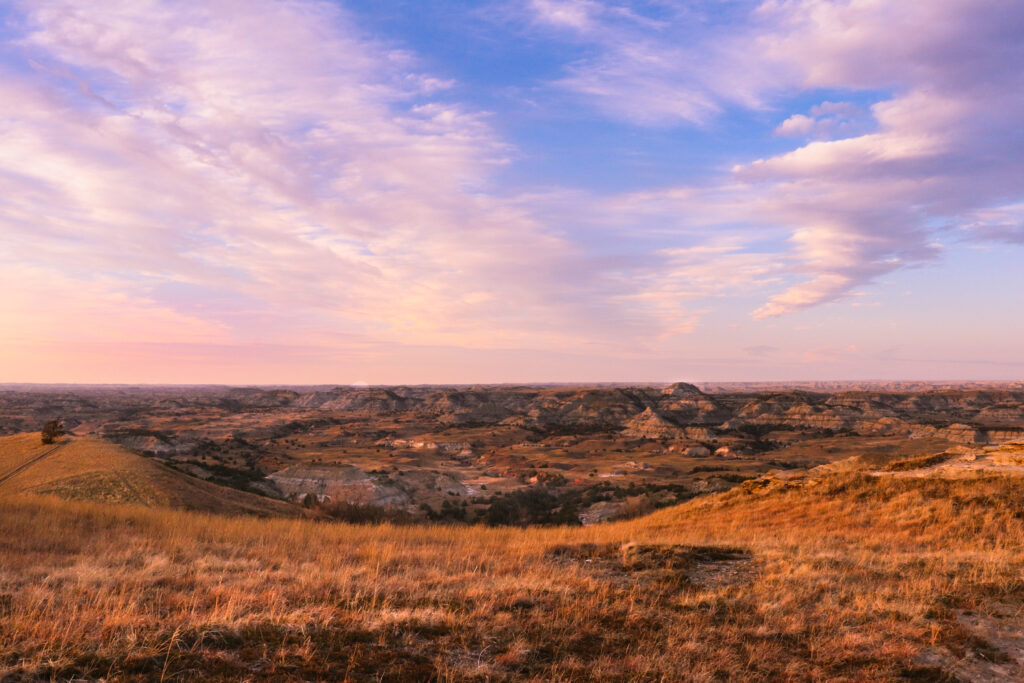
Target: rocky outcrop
(650, 425)
(884, 426)
(682, 390)
(447, 446)
(337, 482)
(962, 433)
(700, 433)
(143, 441)
(602, 511)
(1001, 436)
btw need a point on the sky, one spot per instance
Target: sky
(433, 191)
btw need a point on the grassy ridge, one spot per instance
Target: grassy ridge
(848, 578)
(19, 450)
(94, 470)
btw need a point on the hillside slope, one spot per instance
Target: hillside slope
(839, 576)
(86, 469)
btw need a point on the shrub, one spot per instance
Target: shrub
(51, 431)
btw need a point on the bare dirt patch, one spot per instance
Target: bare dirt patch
(679, 566)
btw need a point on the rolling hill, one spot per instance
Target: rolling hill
(87, 469)
(852, 575)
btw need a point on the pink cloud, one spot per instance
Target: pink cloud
(264, 153)
(826, 120)
(302, 181)
(856, 203)
(796, 125)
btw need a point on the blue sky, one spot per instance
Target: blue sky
(503, 63)
(516, 190)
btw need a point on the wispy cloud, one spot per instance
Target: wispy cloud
(268, 158)
(942, 149)
(997, 224)
(262, 171)
(654, 68)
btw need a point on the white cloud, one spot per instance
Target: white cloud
(574, 14)
(826, 120)
(259, 170)
(795, 126)
(264, 156)
(865, 196)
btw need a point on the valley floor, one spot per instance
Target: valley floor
(835, 576)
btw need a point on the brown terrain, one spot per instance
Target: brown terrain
(513, 455)
(187, 534)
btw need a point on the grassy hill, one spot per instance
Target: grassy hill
(830, 576)
(86, 469)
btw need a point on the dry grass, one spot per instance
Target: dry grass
(917, 463)
(1009, 454)
(846, 578)
(93, 470)
(19, 450)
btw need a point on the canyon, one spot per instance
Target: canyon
(516, 454)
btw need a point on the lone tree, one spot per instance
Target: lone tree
(51, 430)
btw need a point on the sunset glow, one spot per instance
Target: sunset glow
(312, 192)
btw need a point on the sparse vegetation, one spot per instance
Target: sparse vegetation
(355, 513)
(918, 462)
(408, 550)
(93, 470)
(855, 577)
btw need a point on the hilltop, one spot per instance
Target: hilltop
(88, 469)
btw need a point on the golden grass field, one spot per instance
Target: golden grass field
(90, 469)
(842, 576)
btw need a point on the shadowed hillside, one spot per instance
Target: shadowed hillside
(82, 468)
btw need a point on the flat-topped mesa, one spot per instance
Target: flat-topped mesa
(681, 389)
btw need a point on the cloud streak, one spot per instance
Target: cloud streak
(266, 156)
(943, 146)
(265, 173)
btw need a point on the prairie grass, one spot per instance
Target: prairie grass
(846, 577)
(918, 462)
(90, 469)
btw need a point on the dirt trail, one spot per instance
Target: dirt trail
(25, 465)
